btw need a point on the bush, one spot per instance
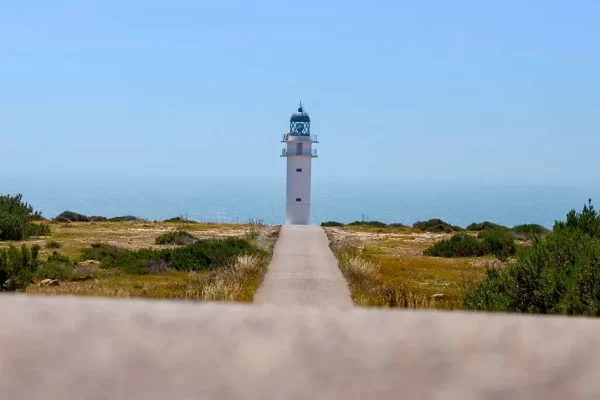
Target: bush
(499, 242)
(436, 225)
(181, 219)
(70, 216)
(485, 226)
(178, 237)
(203, 254)
(370, 224)
(331, 223)
(51, 244)
(558, 274)
(58, 269)
(16, 217)
(102, 252)
(397, 225)
(210, 253)
(530, 231)
(35, 229)
(459, 245)
(125, 218)
(17, 267)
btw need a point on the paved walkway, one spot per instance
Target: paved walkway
(304, 271)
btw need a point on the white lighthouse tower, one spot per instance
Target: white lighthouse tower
(299, 154)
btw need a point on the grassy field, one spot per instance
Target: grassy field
(74, 236)
(386, 267)
(236, 282)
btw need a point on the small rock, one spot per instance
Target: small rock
(50, 282)
(89, 262)
(438, 296)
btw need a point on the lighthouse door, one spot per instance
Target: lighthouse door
(299, 151)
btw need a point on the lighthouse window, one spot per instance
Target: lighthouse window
(298, 199)
(298, 169)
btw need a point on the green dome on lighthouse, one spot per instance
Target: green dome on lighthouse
(300, 115)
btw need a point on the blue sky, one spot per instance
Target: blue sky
(454, 91)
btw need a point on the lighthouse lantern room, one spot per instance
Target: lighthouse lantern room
(299, 154)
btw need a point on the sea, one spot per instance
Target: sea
(242, 200)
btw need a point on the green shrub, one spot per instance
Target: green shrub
(181, 219)
(370, 224)
(70, 216)
(36, 229)
(459, 245)
(102, 252)
(436, 225)
(203, 254)
(331, 223)
(397, 225)
(16, 217)
(13, 227)
(177, 237)
(52, 244)
(125, 218)
(499, 242)
(558, 274)
(54, 270)
(529, 231)
(17, 267)
(210, 253)
(485, 226)
(59, 258)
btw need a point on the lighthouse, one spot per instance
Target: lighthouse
(299, 153)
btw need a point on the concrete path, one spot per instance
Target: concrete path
(304, 271)
(76, 348)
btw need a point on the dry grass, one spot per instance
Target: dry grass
(132, 235)
(388, 269)
(236, 282)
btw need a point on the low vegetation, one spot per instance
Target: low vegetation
(70, 216)
(436, 225)
(530, 231)
(17, 266)
(370, 224)
(181, 219)
(52, 244)
(485, 226)
(370, 288)
(119, 257)
(331, 223)
(16, 219)
(558, 274)
(201, 255)
(212, 269)
(411, 268)
(498, 242)
(176, 238)
(459, 245)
